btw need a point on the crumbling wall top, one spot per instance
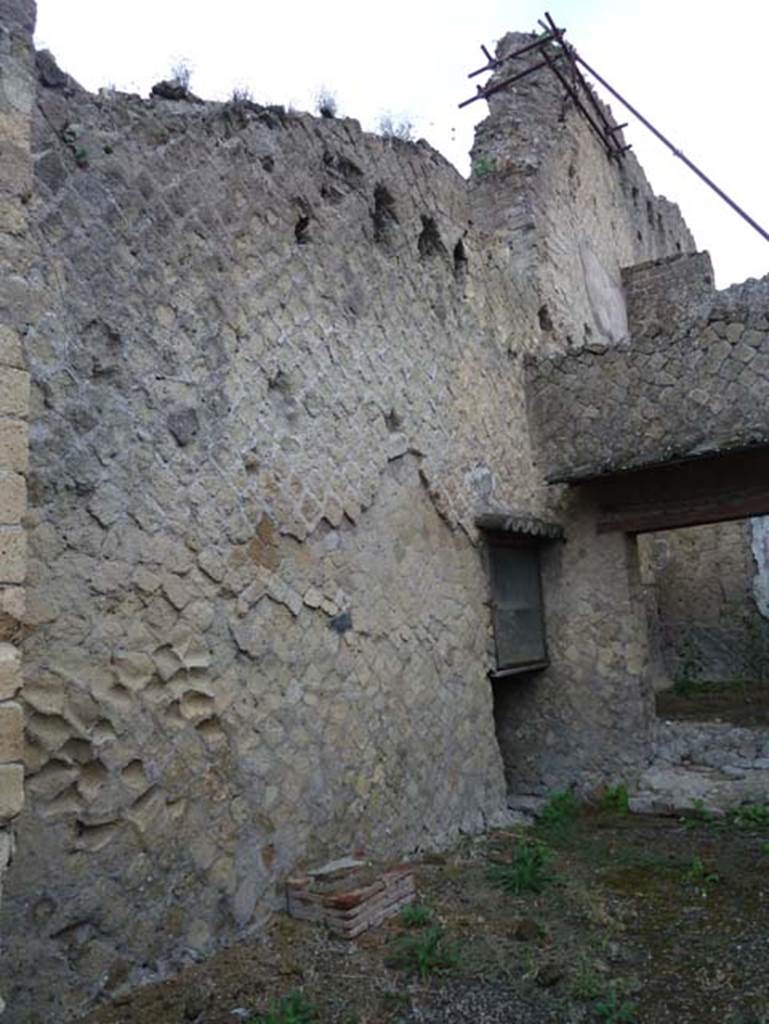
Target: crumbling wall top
(665, 293)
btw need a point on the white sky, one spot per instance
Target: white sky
(695, 68)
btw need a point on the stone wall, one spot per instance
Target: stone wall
(258, 601)
(277, 374)
(587, 719)
(572, 218)
(699, 385)
(700, 589)
(17, 90)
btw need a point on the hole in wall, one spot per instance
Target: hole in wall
(94, 837)
(393, 421)
(545, 320)
(384, 216)
(460, 261)
(301, 230)
(78, 750)
(429, 242)
(133, 773)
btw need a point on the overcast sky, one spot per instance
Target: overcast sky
(695, 68)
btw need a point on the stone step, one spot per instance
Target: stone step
(677, 789)
(713, 744)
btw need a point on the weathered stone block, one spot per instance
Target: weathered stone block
(10, 348)
(13, 498)
(11, 790)
(16, 168)
(13, 554)
(14, 392)
(12, 604)
(14, 445)
(13, 219)
(10, 671)
(11, 733)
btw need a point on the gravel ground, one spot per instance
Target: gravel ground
(646, 920)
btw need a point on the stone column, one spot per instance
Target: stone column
(17, 92)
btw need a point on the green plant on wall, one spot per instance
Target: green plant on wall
(484, 165)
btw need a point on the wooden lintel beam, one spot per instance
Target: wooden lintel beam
(674, 515)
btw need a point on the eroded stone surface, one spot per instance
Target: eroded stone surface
(17, 92)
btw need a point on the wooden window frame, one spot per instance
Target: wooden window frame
(499, 539)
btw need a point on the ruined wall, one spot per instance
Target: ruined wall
(699, 585)
(572, 218)
(277, 373)
(17, 90)
(698, 386)
(268, 403)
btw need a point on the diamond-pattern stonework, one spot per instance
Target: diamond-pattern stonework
(276, 372)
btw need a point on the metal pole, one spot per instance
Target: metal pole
(676, 152)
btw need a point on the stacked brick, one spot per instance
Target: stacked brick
(349, 897)
(16, 100)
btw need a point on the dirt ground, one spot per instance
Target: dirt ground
(741, 703)
(646, 920)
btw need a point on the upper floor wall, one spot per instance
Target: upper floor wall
(693, 381)
(570, 216)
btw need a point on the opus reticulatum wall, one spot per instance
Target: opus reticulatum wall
(276, 377)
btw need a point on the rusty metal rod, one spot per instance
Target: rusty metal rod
(559, 33)
(612, 146)
(483, 92)
(494, 63)
(676, 152)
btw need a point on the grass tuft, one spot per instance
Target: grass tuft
(698, 874)
(752, 816)
(560, 811)
(612, 1011)
(615, 799)
(426, 953)
(528, 871)
(291, 1009)
(416, 915)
